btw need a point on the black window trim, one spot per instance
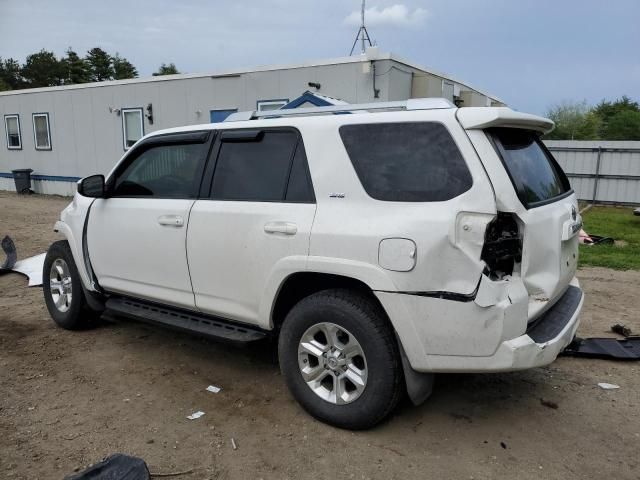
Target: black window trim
(307, 173)
(407, 123)
(165, 140)
(554, 164)
(6, 129)
(205, 192)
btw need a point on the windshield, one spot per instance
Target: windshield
(534, 172)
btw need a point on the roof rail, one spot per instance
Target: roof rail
(411, 104)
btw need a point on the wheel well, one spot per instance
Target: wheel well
(301, 285)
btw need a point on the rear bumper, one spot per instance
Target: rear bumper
(539, 345)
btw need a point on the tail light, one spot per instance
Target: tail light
(502, 248)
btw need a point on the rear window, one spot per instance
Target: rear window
(406, 162)
(535, 174)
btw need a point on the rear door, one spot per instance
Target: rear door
(255, 225)
(136, 237)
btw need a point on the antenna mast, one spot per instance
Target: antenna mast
(362, 34)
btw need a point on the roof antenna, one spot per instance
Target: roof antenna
(362, 34)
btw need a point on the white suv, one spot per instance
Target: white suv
(377, 243)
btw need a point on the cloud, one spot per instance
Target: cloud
(397, 15)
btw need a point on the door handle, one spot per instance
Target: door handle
(286, 228)
(171, 220)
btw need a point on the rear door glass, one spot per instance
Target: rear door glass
(406, 162)
(534, 172)
(255, 169)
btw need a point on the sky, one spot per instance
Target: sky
(532, 54)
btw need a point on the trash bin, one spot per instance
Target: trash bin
(22, 178)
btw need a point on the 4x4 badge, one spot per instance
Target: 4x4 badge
(336, 195)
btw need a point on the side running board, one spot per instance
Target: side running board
(184, 320)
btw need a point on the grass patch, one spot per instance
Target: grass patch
(620, 224)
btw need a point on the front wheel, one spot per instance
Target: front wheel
(62, 288)
(340, 359)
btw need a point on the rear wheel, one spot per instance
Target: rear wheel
(340, 359)
(62, 287)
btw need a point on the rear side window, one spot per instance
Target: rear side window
(406, 162)
(535, 174)
(257, 167)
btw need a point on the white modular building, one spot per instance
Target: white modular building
(68, 132)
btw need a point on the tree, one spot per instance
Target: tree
(574, 121)
(76, 69)
(100, 65)
(42, 69)
(4, 86)
(624, 125)
(614, 116)
(11, 74)
(123, 68)
(164, 69)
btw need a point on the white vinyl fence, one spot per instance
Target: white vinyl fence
(600, 172)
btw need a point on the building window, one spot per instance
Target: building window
(12, 128)
(217, 116)
(266, 105)
(41, 131)
(132, 126)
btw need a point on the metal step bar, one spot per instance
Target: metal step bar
(180, 319)
(411, 104)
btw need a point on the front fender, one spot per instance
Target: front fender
(76, 251)
(71, 226)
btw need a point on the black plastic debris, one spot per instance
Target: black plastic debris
(606, 348)
(599, 240)
(621, 330)
(115, 467)
(9, 249)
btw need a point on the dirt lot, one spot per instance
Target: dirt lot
(67, 399)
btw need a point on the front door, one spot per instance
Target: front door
(254, 227)
(137, 236)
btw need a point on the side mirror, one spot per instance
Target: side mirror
(92, 186)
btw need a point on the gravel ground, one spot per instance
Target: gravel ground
(68, 399)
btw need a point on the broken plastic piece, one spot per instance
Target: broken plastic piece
(117, 466)
(607, 348)
(32, 268)
(621, 329)
(608, 386)
(9, 249)
(213, 389)
(585, 238)
(195, 415)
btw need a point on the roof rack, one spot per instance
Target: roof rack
(411, 104)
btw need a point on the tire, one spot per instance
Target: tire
(68, 307)
(353, 321)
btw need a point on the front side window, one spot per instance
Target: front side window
(406, 162)
(41, 131)
(267, 105)
(254, 169)
(167, 171)
(536, 175)
(132, 126)
(12, 129)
